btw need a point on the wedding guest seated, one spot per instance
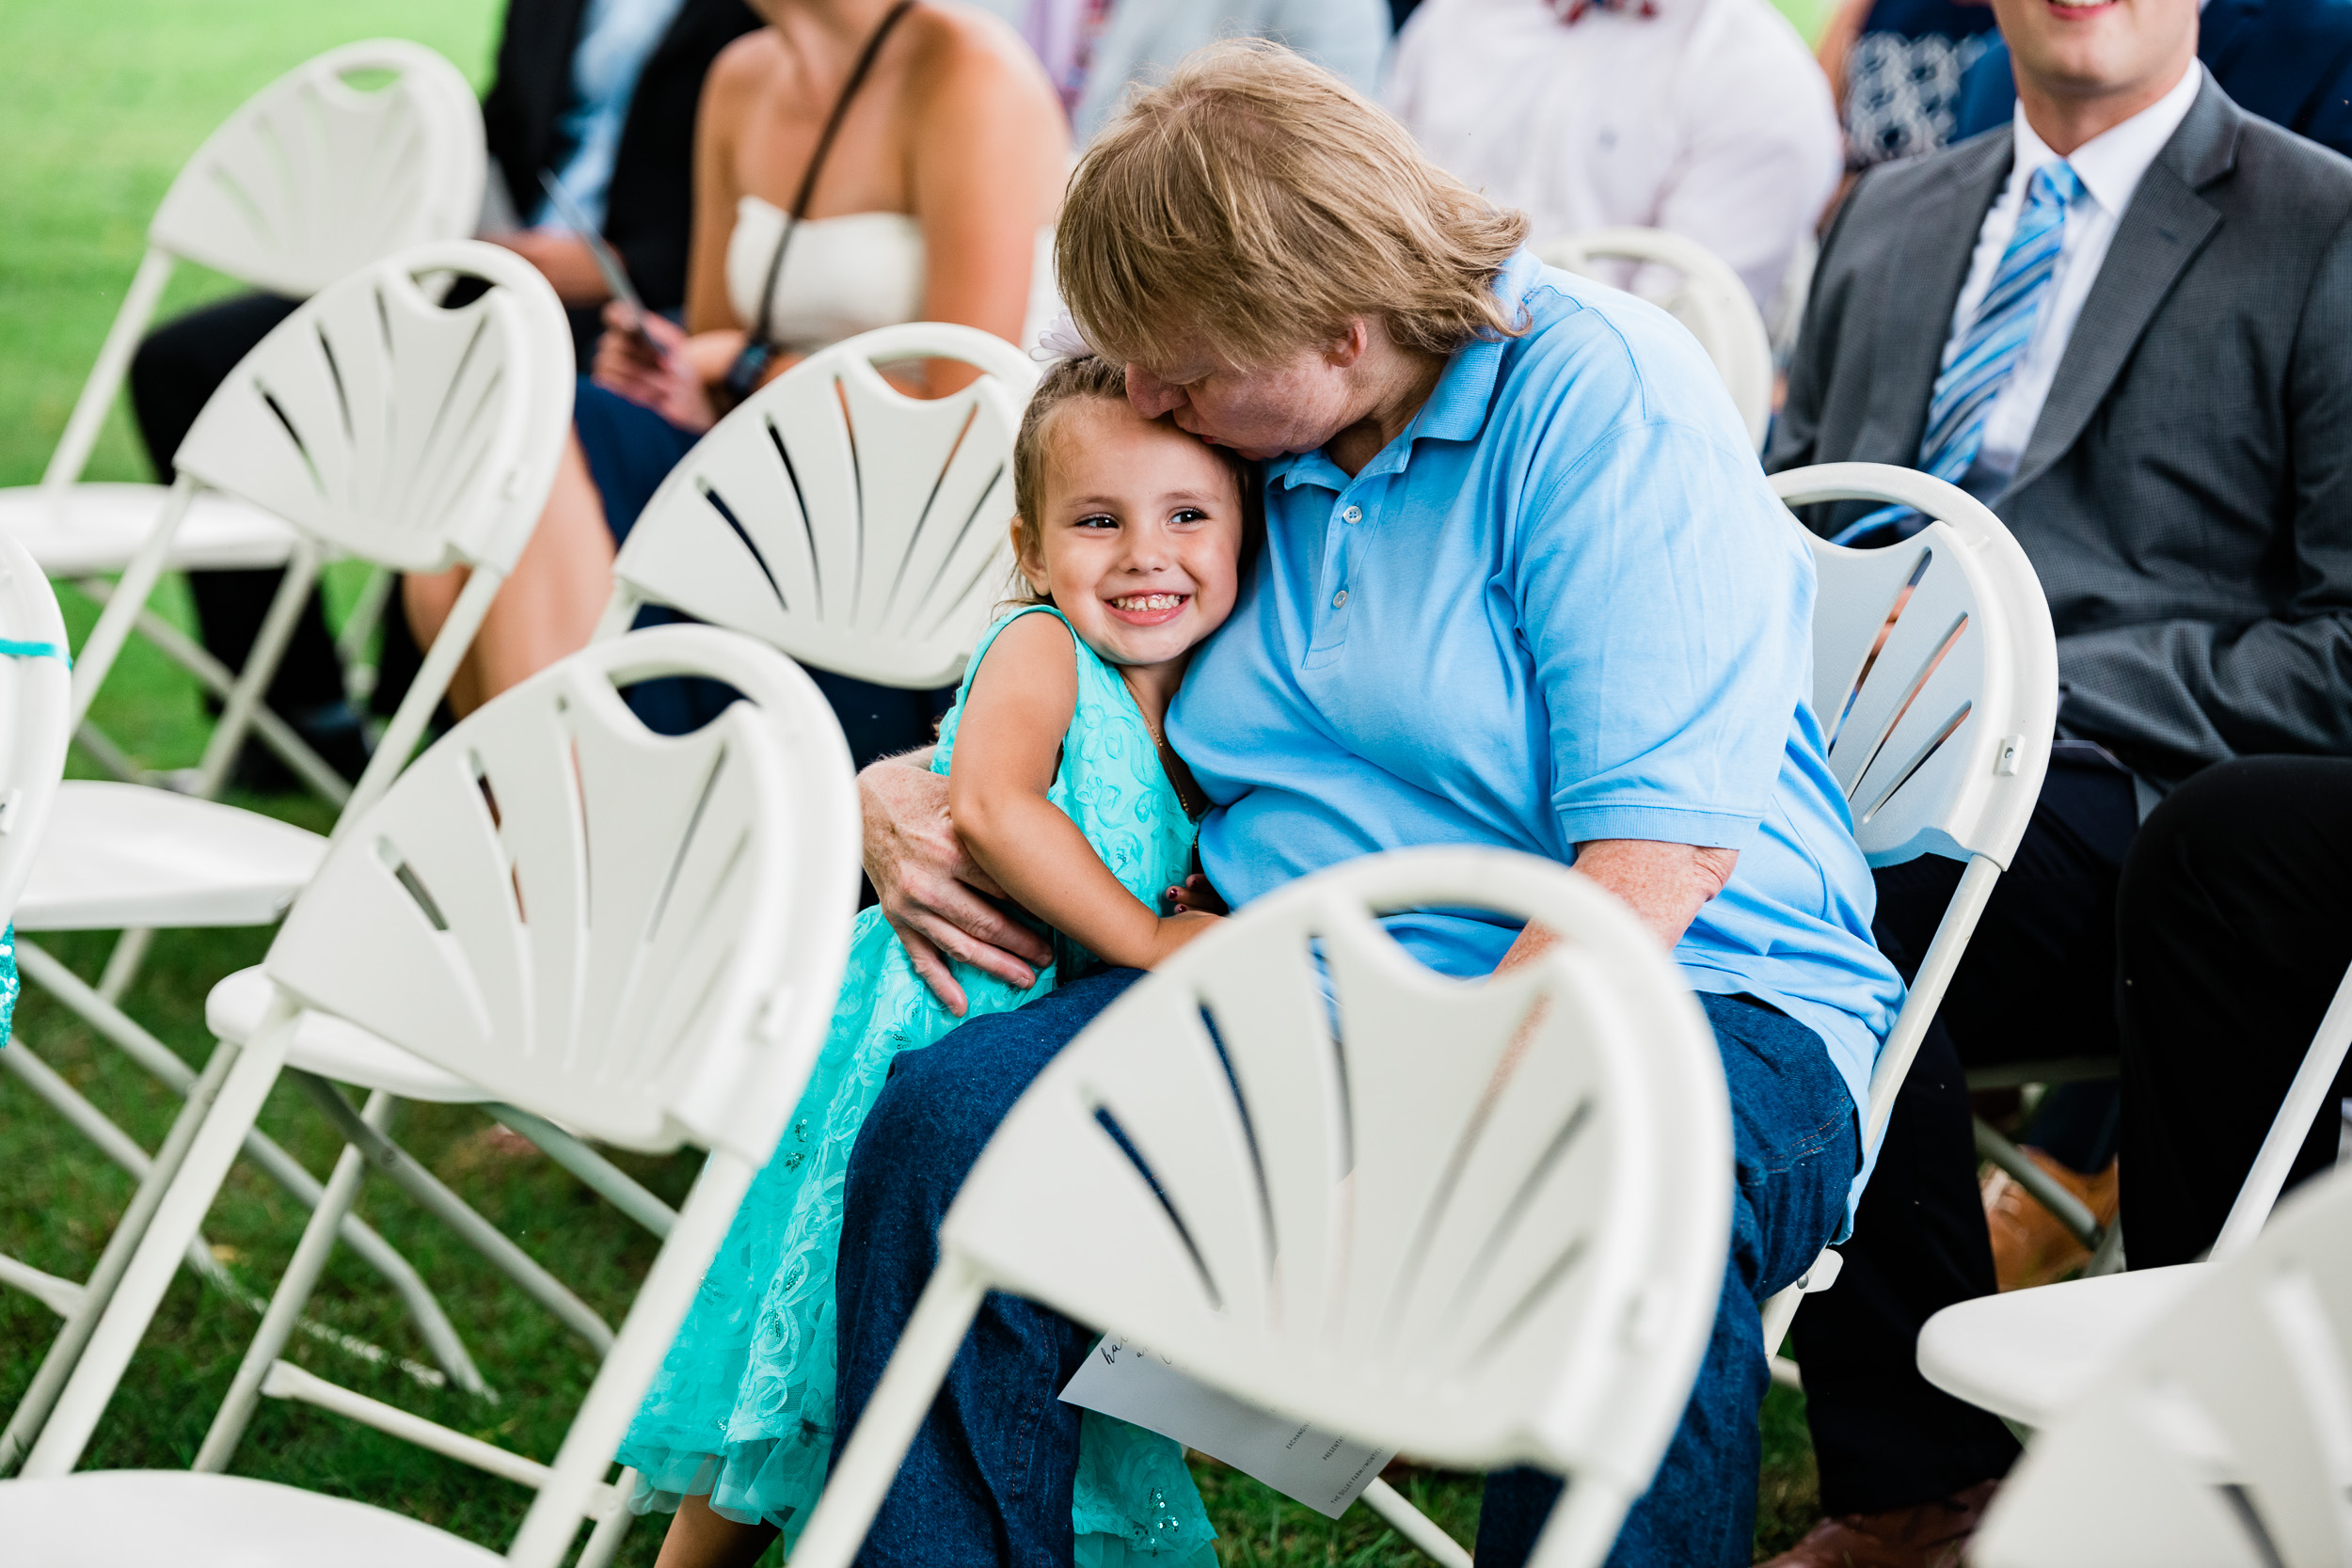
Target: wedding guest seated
(1523, 586)
(2120, 321)
(859, 163)
(1705, 117)
(2289, 61)
(602, 96)
(2231, 944)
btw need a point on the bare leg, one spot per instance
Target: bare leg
(701, 1538)
(548, 607)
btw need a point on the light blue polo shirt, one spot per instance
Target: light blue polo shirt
(1563, 606)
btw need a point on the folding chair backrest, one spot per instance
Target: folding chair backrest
(2222, 1436)
(1939, 735)
(36, 693)
(552, 900)
(364, 151)
(1484, 1222)
(1712, 302)
(394, 428)
(859, 530)
(345, 159)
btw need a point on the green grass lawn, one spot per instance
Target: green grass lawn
(98, 108)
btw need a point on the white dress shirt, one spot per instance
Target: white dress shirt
(2109, 165)
(1709, 118)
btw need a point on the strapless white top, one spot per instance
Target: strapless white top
(850, 275)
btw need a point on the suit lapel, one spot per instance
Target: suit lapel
(1935, 252)
(2162, 231)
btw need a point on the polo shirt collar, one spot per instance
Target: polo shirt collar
(1457, 406)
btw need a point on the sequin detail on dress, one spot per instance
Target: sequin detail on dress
(742, 1409)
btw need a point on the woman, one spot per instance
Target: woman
(1523, 585)
(932, 202)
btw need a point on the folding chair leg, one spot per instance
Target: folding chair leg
(88, 1121)
(125, 1033)
(604, 1542)
(287, 1301)
(123, 963)
(477, 1232)
(1417, 1528)
(863, 1473)
(2068, 1209)
(65, 1352)
(602, 1176)
(132, 1306)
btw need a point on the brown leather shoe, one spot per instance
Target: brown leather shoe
(1931, 1535)
(2029, 1245)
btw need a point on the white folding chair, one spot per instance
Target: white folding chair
(635, 935)
(2219, 1434)
(857, 529)
(376, 422)
(1935, 683)
(2029, 1356)
(1503, 1247)
(638, 936)
(1711, 302)
(313, 178)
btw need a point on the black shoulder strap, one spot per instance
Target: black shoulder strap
(858, 74)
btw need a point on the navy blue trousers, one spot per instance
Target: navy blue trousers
(987, 1481)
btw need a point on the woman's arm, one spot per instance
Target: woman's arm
(1666, 884)
(1008, 746)
(991, 154)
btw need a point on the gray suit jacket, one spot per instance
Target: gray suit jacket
(2186, 494)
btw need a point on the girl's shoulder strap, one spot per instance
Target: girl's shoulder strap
(996, 629)
(945, 750)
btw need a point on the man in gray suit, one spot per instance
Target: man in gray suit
(2125, 322)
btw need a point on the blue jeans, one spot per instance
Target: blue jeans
(988, 1480)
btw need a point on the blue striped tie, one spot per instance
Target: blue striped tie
(1987, 355)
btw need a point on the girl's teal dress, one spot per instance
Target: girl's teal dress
(742, 1410)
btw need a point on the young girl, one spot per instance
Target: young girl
(1130, 535)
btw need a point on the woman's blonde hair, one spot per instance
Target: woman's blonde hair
(1090, 376)
(1254, 204)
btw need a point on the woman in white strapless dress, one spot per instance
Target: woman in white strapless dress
(935, 203)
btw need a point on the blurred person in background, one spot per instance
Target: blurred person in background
(1707, 119)
(601, 95)
(1896, 67)
(1111, 45)
(934, 201)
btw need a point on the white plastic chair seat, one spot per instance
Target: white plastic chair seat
(88, 529)
(134, 1518)
(332, 1047)
(120, 855)
(2029, 1355)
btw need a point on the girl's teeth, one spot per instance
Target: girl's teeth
(1150, 601)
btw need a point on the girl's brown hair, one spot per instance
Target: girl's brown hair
(1091, 376)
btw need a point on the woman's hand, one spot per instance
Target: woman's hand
(933, 891)
(648, 360)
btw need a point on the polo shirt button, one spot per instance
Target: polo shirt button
(1353, 515)
(1339, 598)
